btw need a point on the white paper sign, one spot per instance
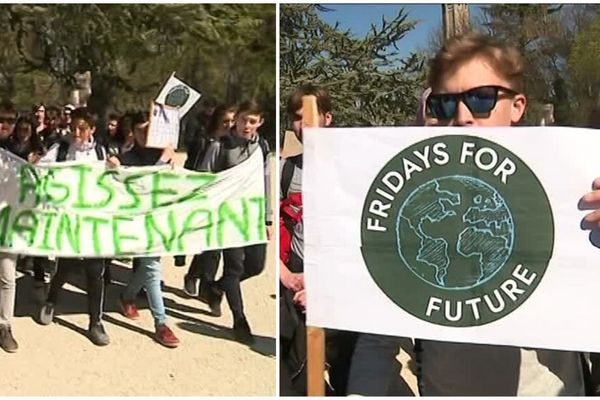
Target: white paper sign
(76, 209)
(176, 93)
(163, 130)
(464, 235)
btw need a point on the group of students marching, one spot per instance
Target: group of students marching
(51, 134)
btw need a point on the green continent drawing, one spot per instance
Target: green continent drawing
(455, 232)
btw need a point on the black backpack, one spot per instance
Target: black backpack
(196, 153)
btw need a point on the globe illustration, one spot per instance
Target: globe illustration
(177, 96)
(455, 232)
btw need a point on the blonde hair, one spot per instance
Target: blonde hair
(505, 59)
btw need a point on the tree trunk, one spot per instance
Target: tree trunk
(102, 95)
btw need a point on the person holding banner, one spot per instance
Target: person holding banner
(8, 266)
(204, 265)
(8, 262)
(240, 263)
(148, 273)
(24, 142)
(592, 200)
(339, 344)
(79, 146)
(51, 134)
(477, 81)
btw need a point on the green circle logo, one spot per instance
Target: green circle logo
(457, 230)
(177, 96)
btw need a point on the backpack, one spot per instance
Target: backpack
(63, 150)
(196, 152)
(264, 146)
(288, 216)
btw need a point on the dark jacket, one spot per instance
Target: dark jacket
(140, 156)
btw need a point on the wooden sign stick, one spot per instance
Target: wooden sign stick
(315, 337)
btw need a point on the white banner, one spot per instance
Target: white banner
(464, 235)
(76, 209)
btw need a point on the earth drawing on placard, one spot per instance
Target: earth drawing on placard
(177, 96)
(455, 232)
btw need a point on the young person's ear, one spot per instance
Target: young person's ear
(328, 118)
(262, 121)
(518, 108)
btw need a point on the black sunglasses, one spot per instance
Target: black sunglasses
(480, 101)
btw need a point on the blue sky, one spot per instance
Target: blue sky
(359, 17)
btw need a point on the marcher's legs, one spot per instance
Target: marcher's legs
(339, 347)
(96, 290)
(595, 374)
(8, 265)
(205, 265)
(147, 275)
(375, 370)
(254, 261)
(58, 281)
(94, 273)
(233, 268)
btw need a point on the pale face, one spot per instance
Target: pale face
(474, 73)
(51, 123)
(246, 125)
(112, 127)
(324, 120)
(66, 117)
(140, 133)
(227, 122)
(81, 133)
(7, 124)
(23, 132)
(40, 114)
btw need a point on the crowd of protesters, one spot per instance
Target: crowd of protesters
(69, 133)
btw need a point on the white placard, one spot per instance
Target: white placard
(403, 224)
(163, 130)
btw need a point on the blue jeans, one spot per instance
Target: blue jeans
(148, 275)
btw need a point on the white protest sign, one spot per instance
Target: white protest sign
(463, 235)
(176, 93)
(163, 130)
(87, 210)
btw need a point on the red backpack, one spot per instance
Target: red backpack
(290, 209)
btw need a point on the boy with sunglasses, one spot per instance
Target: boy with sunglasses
(477, 81)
